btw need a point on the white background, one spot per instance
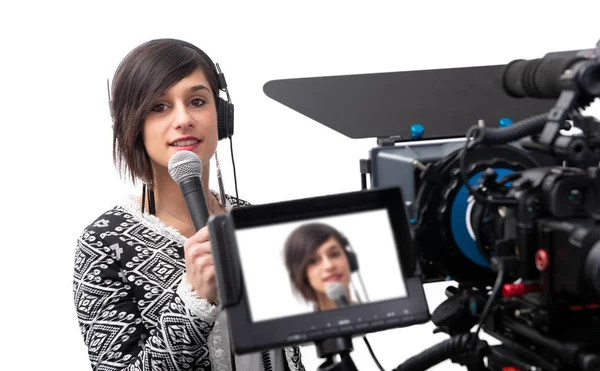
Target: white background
(267, 281)
(56, 132)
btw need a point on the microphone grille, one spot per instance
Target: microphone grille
(184, 164)
(335, 291)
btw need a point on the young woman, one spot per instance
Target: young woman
(144, 284)
(317, 255)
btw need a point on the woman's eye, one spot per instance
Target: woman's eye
(159, 108)
(198, 102)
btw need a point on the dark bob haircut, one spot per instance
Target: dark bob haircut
(299, 248)
(142, 77)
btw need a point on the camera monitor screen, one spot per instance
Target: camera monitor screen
(317, 268)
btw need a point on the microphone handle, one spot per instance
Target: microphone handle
(341, 302)
(193, 193)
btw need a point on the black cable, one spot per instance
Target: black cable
(234, 174)
(232, 355)
(372, 354)
(463, 171)
(489, 136)
(495, 290)
(266, 359)
(515, 131)
(455, 346)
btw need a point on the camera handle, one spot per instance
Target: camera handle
(581, 85)
(329, 348)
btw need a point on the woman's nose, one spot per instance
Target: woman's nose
(327, 263)
(181, 117)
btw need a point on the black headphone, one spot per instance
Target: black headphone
(224, 107)
(350, 254)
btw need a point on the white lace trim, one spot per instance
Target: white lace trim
(217, 353)
(289, 355)
(131, 204)
(197, 306)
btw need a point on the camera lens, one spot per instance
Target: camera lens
(575, 197)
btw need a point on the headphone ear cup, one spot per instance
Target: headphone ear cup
(352, 260)
(224, 118)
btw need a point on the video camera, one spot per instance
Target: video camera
(511, 214)
(527, 225)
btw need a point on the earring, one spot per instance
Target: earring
(143, 197)
(220, 181)
(151, 203)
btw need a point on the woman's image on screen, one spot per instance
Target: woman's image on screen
(289, 267)
(320, 263)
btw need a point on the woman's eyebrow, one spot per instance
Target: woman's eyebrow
(333, 246)
(199, 87)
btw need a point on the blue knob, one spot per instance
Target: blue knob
(473, 306)
(505, 121)
(416, 131)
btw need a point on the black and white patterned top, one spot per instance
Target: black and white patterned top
(135, 308)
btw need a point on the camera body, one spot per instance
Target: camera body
(512, 215)
(553, 233)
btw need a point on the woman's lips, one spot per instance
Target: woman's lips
(333, 278)
(188, 145)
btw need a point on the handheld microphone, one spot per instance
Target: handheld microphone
(185, 167)
(337, 292)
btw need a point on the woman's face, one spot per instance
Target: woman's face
(183, 118)
(328, 264)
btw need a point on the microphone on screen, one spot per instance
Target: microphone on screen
(337, 292)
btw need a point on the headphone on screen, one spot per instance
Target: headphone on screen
(350, 254)
(225, 108)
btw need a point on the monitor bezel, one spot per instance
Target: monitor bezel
(249, 336)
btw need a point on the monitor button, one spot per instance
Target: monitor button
(377, 323)
(331, 330)
(348, 328)
(315, 333)
(296, 337)
(393, 321)
(362, 325)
